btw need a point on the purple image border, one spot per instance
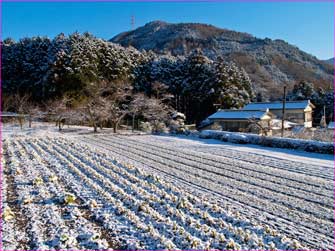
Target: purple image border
(1, 247)
(145, 1)
(167, 1)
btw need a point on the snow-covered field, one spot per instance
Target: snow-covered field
(87, 191)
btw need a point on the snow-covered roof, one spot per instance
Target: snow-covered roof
(276, 124)
(331, 125)
(303, 104)
(238, 114)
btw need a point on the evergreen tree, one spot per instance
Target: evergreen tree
(323, 100)
(232, 85)
(66, 65)
(303, 90)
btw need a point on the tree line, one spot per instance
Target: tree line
(72, 66)
(105, 82)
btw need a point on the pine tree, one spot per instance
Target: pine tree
(303, 90)
(232, 85)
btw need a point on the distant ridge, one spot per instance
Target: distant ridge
(269, 63)
(329, 61)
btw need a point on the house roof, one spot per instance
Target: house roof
(303, 104)
(238, 114)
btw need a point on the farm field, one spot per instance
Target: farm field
(158, 192)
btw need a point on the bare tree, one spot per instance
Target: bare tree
(136, 107)
(96, 109)
(95, 106)
(110, 102)
(20, 104)
(6, 103)
(157, 113)
(73, 115)
(33, 112)
(118, 107)
(154, 110)
(60, 109)
(107, 102)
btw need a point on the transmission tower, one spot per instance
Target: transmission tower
(132, 22)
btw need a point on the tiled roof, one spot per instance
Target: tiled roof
(237, 114)
(277, 105)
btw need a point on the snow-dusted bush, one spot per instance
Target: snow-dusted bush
(158, 127)
(323, 135)
(193, 133)
(178, 115)
(239, 139)
(177, 124)
(145, 127)
(175, 127)
(153, 127)
(319, 134)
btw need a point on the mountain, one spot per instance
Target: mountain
(269, 63)
(329, 61)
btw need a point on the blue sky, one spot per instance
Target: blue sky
(308, 25)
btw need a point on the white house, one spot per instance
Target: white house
(239, 120)
(299, 112)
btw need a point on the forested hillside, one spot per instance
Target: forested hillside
(189, 68)
(269, 63)
(49, 69)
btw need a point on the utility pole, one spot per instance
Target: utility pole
(283, 112)
(323, 120)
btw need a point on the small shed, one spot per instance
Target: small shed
(11, 115)
(299, 112)
(240, 120)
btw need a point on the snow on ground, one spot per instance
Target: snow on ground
(38, 129)
(157, 192)
(280, 153)
(295, 197)
(43, 129)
